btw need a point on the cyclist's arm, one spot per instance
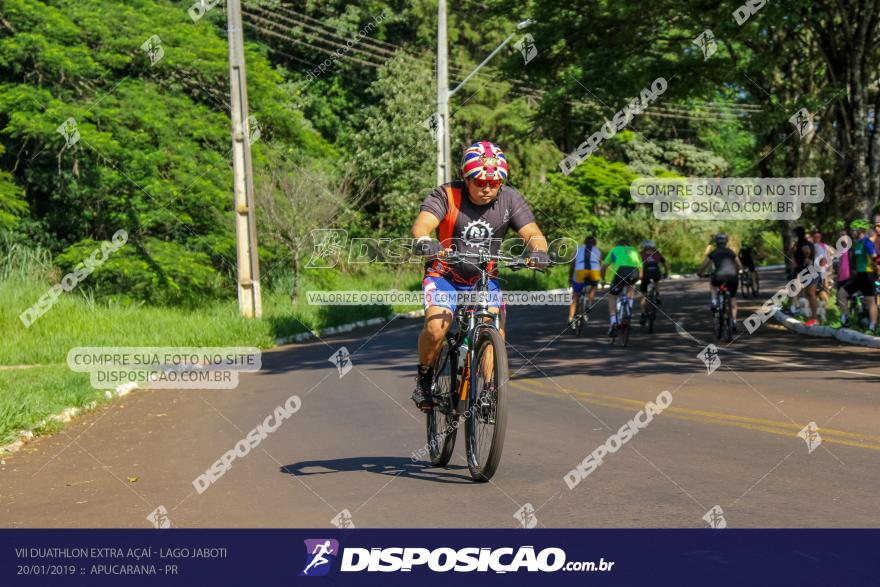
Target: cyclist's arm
(607, 262)
(533, 237)
(739, 265)
(706, 262)
(424, 225)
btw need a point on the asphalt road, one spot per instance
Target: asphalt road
(729, 439)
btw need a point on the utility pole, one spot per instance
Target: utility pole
(443, 93)
(443, 171)
(249, 298)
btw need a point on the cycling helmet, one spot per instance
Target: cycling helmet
(721, 239)
(484, 160)
(859, 224)
(649, 245)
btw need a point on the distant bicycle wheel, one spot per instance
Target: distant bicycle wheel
(442, 425)
(581, 314)
(653, 302)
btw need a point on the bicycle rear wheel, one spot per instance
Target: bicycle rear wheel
(442, 426)
(486, 416)
(718, 323)
(729, 321)
(581, 314)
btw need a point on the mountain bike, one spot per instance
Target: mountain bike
(624, 318)
(724, 314)
(746, 285)
(471, 373)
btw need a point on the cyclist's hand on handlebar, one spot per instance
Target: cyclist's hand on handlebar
(539, 259)
(427, 248)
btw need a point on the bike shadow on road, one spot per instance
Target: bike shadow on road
(392, 466)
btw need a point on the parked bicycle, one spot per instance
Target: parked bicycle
(471, 372)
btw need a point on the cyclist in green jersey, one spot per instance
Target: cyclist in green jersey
(866, 257)
(626, 267)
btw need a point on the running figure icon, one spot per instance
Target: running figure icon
(319, 556)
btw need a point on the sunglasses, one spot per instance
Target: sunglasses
(492, 183)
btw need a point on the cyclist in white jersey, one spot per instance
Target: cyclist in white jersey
(583, 272)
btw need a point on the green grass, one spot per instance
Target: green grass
(75, 320)
(31, 395)
(27, 396)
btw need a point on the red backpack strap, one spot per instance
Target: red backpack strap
(445, 229)
(447, 225)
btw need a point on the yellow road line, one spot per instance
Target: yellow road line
(780, 428)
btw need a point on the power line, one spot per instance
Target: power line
(322, 49)
(516, 85)
(309, 18)
(292, 31)
(363, 40)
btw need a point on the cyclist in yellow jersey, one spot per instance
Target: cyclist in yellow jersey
(584, 272)
(626, 266)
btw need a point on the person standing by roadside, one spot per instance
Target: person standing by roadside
(845, 286)
(823, 254)
(804, 256)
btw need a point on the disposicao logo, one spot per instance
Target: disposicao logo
(320, 554)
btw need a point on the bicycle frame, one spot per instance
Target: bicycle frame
(469, 321)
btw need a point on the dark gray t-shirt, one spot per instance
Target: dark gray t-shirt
(476, 226)
(725, 263)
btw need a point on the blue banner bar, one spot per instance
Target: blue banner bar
(434, 557)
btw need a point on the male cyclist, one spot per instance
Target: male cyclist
(862, 266)
(469, 215)
(727, 268)
(626, 267)
(652, 260)
(584, 272)
(747, 259)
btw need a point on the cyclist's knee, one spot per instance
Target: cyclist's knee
(437, 323)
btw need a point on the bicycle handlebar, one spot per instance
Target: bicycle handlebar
(484, 257)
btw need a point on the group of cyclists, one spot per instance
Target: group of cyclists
(474, 213)
(628, 265)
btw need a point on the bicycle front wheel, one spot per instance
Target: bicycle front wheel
(486, 416)
(442, 426)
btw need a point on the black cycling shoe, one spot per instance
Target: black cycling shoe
(422, 395)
